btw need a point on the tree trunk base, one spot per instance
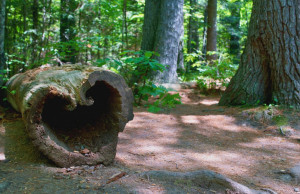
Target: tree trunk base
(73, 113)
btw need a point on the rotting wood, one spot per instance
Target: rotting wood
(71, 109)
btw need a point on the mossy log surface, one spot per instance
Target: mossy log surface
(73, 113)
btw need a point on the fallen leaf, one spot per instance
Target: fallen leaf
(85, 151)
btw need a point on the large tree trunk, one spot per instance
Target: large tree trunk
(269, 69)
(211, 29)
(68, 29)
(73, 113)
(162, 33)
(2, 38)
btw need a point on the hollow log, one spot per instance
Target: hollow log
(72, 113)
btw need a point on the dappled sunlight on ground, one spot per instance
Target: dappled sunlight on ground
(209, 102)
(197, 134)
(206, 136)
(190, 119)
(2, 155)
(2, 143)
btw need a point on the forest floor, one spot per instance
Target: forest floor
(239, 142)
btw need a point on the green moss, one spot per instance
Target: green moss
(280, 120)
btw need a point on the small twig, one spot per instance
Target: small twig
(116, 177)
(281, 131)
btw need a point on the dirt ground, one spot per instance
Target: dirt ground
(197, 134)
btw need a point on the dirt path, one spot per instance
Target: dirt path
(195, 135)
(201, 135)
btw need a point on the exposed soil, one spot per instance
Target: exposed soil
(196, 135)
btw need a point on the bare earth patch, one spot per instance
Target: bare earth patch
(196, 135)
(199, 134)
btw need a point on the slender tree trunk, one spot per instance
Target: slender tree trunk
(24, 14)
(14, 29)
(35, 27)
(7, 28)
(68, 29)
(125, 28)
(212, 29)
(162, 33)
(100, 29)
(269, 69)
(2, 39)
(24, 7)
(204, 45)
(234, 46)
(49, 22)
(193, 31)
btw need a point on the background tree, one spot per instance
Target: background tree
(68, 29)
(125, 26)
(234, 20)
(193, 28)
(2, 38)
(162, 32)
(193, 41)
(35, 29)
(212, 29)
(269, 69)
(106, 29)
(204, 34)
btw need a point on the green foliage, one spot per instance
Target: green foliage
(103, 33)
(99, 27)
(218, 72)
(280, 120)
(138, 68)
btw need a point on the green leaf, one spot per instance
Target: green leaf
(154, 109)
(148, 54)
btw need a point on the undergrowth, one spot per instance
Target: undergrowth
(138, 69)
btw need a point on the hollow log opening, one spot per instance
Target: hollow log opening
(91, 127)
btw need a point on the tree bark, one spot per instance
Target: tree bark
(180, 59)
(193, 29)
(204, 45)
(2, 39)
(269, 70)
(68, 29)
(211, 29)
(125, 27)
(73, 113)
(35, 27)
(162, 33)
(234, 46)
(151, 18)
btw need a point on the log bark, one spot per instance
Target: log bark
(269, 69)
(73, 113)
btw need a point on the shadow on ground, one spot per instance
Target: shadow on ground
(195, 135)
